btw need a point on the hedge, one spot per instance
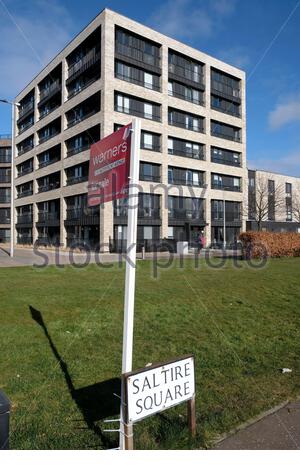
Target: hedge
(270, 244)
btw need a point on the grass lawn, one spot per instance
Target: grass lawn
(61, 334)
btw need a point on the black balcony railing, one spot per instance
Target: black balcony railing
(186, 214)
(5, 178)
(77, 119)
(5, 158)
(230, 216)
(137, 112)
(47, 111)
(191, 127)
(49, 162)
(226, 161)
(4, 219)
(48, 217)
(79, 149)
(28, 107)
(225, 187)
(25, 193)
(87, 61)
(25, 171)
(25, 218)
(153, 148)
(225, 89)
(149, 85)
(153, 178)
(234, 138)
(25, 149)
(186, 182)
(50, 91)
(196, 154)
(24, 240)
(182, 96)
(186, 73)
(25, 127)
(49, 187)
(76, 179)
(138, 55)
(4, 199)
(44, 138)
(143, 212)
(81, 212)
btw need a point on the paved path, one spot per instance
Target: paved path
(277, 431)
(29, 257)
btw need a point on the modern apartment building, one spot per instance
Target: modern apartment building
(193, 143)
(277, 198)
(5, 185)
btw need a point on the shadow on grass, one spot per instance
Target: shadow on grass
(95, 402)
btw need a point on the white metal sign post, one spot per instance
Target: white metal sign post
(125, 429)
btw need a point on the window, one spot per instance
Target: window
(236, 182)
(170, 88)
(123, 104)
(170, 176)
(148, 80)
(148, 110)
(170, 232)
(288, 188)
(148, 141)
(148, 232)
(170, 146)
(271, 186)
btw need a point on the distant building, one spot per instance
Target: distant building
(192, 108)
(5, 187)
(278, 196)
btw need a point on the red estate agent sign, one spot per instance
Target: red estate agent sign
(109, 167)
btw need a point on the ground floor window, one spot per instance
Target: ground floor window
(217, 236)
(24, 236)
(83, 234)
(49, 235)
(4, 235)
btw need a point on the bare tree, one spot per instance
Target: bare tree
(266, 199)
(296, 203)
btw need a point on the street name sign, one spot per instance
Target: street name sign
(156, 388)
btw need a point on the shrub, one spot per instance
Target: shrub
(270, 244)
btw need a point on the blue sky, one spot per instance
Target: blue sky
(259, 36)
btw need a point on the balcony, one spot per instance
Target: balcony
(231, 216)
(4, 199)
(136, 112)
(153, 148)
(186, 182)
(141, 57)
(52, 160)
(44, 138)
(150, 178)
(222, 135)
(77, 119)
(76, 179)
(26, 110)
(25, 171)
(25, 219)
(195, 154)
(187, 214)
(25, 193)
(5, 158)
(49, 187)
(225, 187)
(25, 127)
(5, 179)
(24, 240)
(82, 216)
(136, 81)
(90, 59)
(225, 90)
(79, 149)
(143, 212)
(47, 93)
(45, 217)
(187, 74)
(195, 126)
(230, 161)
(25, 149)
(4, 219)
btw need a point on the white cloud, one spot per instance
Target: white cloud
(287, 165)
(189, 19)
(34, 33)
(285, 113)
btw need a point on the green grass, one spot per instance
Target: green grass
(241, 324)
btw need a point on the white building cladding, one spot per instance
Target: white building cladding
(280, 201)
(192, 108)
